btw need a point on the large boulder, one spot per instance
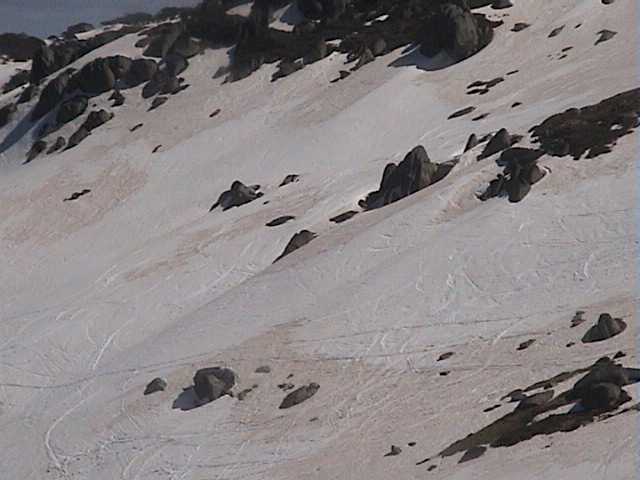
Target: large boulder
(212, 383)
(606, 328)
(72, 108)
(19, 46)
(44, 63)
(95, 77)
(413, 173)
(51, 95)
(119, 65)
(455, 30)
(186, 46)
(141, 70)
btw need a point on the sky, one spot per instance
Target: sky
(46, 17)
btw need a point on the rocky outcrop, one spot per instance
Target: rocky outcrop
(19, 46)
(72, 108)
(51, 95)
(239, 194)
(607, 327)
(95, 77)
(413, 173)
(299, 395)
(142, 70)
(212, 383)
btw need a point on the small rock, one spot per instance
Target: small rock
(605, 35)
(606, 328)
(343, 217)
(212, 383)
(445, 355)
(300, 395)
(156, 385)
(263, 369)
(395, 450)
(461, 112)
(280, 221)
(291, 178)
(473, 453)
(518, 27)
(299, 240)
(527, 344)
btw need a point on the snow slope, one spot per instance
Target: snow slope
(137, 280)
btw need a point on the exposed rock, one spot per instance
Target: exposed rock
(215, 113)
(526, 344)
(36, 149)
(460, 113)
(535, 400)
(556, 31)
(72, 108)
(605, 35)
(300, 395)
(96, 77)
(457, 31)
(239, 194)
(291, 178)
(21, 77)
(499, 142)
(280, 221)
(445, 356)
(141, 70)
(604, 396)
(76, 28)
(593, 129)
(28, 93)
(136, 127)
(413, 173)
(76, 195)
(519, 26)
(156, 385)
(473, 453)
(395, 450)
(214, 382)
(263, 369)
(501, 4)
(606, 328)
(163, 39)
(77, 137)
(51, 95)
(118, 98)
(578, 318)
(175, 64)
(299, 240)
(96, 119)
(472, 142)
(343, 217)
(119, 65)
(59, 144)
(186, 46)
(157, 102)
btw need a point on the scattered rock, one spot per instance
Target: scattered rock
(239, 194)
(157, 102)
(117, 98)
(499, 142)
(460, 113)
(72, 108)
(36, 149)
(527, 344)
(136, 127)
(445, 356)
(343, 217)
(607, 327)
(395, 450)
(263, 369)
(215, 113)
(77, 137)
(291, 178)
(214, 382)
(96, 119)
(578, 318)
(59, 144)
(279, 221)
(605, 35)
(243, 394)
(286, 386)
(411, 444)
(156, 385)
(300, 395)
(472, 142)
(142, 70)
(76, 195)
(619, 354)
(156, 149)
(518, 27)
(299, 240)
(535, 400)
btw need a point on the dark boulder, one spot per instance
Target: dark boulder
(280, 221)
(28, 93)
(119, 65)
(291, 178)
(156, 385)
(175, 64)
(239, 194)
(413, 173)
(299, 395)
(59, 144)
(603, 371)
(77, 28)
(457, 31)
(212, 383)
(472, 142)
(299, 240)
(536, 400)
(7, 113)
(606, 328)
(604, 396)
(163, 40)
(77, 137)
(96, 119)
(95, 77)
(51, 95)
(157, 102)
(118, 98)
(499, 142)
(141, 70)
(71, 109)
(186, 46)
(19, 46)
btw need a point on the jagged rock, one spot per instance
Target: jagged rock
(291, 178)
(157, 102)
(76, 195)
(299, 240)
(141, 70)
(156, 385)
(578, 318)
(415, 172)
(239, 194)
(36, 149)
(19, 46)
(51, 95)
(72, 108)
(300, 395)
(7, 113)
(472, 454)
(603, 371)
(212, 383)
(455, 30)
(471, 142)
(97, 118)
(59, 144)
(606, 328)
(77, 137)
(500, 141)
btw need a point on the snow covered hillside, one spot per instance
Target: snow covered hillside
(422, 319)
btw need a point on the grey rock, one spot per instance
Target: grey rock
(156, 385)
(606, 328)
(212, 383)
(299, 240)
(299, 395)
